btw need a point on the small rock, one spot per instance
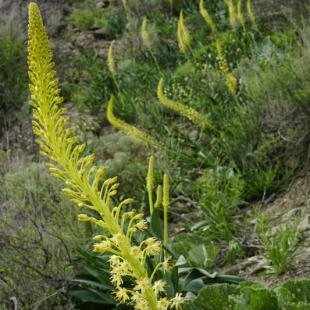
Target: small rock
(262, 265)
(83, 39)
(101, 34)
(101, 5)
(305, 223)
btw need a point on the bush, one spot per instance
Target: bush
(39, 233)
(13, 83)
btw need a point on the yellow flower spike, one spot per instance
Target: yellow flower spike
(121, 295)
(129, 130)
(150, 183)
(111, 65)
(232, 83)
(190, 113)
(232, 13)
(144, 33)
(207, 17)
(166, 202)
(183, 36)
(58, 145)
(182, 45)
(136, 252)
(159, 197)
(250, 13)
(240, 15)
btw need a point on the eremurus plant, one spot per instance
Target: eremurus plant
(84, 185)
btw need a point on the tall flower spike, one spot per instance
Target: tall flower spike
(166, 202)
(183, 35)
(146, 40)
(250, 13)
(190, 113)
(150, 183)
(129, 130)
(232, 13)
(205, 14)
(240, 14)
(111, 65)
(77, 172)
(144, 33)
(231, 81)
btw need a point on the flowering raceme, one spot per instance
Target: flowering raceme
(84, 185)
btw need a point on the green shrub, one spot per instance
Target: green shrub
(123, 157)
(39, 234)
(220, 191)
(281, 243)
(291, 295)
(13, 84)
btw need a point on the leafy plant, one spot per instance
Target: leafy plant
(282, 243)
(86, 190)
(220, 191)
(291, 295)
(37, 240)
(13, 83)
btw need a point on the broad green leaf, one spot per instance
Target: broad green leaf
(254, 298)
(215, 297)
(94, 283)
(156, 225)
(91, 296)
(194, 286)
(284, 296)
(300, 289)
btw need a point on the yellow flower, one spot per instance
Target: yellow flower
(117, 239)
(114, 260)
(142, 285)
(121, 295)
(163, 304)
(141, 224)
(116, 279)
(125, 267)
(159, 286)
(154, 248)
(135, 251)
(177, 300)
(167, 264)
(102, 246)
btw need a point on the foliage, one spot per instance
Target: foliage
(220, 191)
(13, 82)
(95, 84)
(37, 239)
(253, 296)
(123, 157)
(280, 243)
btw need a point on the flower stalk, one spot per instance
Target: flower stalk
(84, 183)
